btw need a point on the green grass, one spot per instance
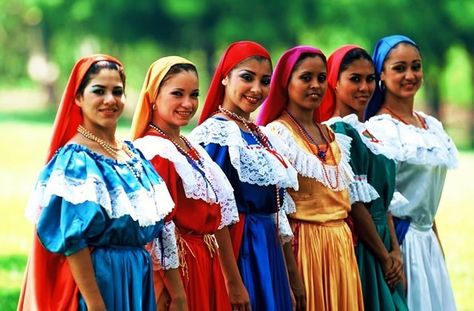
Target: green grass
(23, 148)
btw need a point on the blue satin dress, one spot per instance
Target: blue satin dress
(89, 200)
(260, 259)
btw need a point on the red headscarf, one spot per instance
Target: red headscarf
(235, 53)
(49, 284)
(277, 99)
(328, 105)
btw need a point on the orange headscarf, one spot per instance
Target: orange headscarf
(49, 284)
(235, 53)
(156, 73)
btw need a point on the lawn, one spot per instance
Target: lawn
(23, 148)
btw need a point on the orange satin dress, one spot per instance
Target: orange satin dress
(323, 242)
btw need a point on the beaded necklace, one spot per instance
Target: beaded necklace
(260, 138)
(321, 153)
(305, 135)
(113, 151)
(193, 155)
(418, 117)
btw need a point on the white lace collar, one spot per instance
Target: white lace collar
(308, 165)
(194, 183)
(373, 143)
(254, 165)
(430, 146)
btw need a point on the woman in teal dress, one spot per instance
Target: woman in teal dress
(95, 205)
(351, 82)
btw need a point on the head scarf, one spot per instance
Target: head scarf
(277, 99)
(381, 51)
(235, 53)
(328, 105)
(48, 280)
(69, 115)
(149, 93)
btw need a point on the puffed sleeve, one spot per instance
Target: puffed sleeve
(164, 248)
(359, 190)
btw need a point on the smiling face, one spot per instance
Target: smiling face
(102, 100)
(177, 100)
(402, 72)
(307, 84)
(246, 86)
(355, 85)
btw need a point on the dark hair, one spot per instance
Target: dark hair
(95, 69)
(396, 45)
(258, 58)
(177, 68)
(352, 56)
(305, 56)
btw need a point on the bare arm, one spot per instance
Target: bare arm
(175, 289)
(367, 232)
(82, 270)
(238, 295)
(296, 282)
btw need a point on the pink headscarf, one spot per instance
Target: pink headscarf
(277, 99)
(328, 105)
(235, 53)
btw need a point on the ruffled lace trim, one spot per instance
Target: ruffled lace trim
(146, 207)
(398, 204)
(284, 228)
(361, 191)
(164, 250)
(254, 165)
(308, 165)
(375, 145)
(431, 146)
(194, 184)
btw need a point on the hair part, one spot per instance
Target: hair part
(178, 68)
(95, 69)
(305, 56)
(397, 45)
(352, 56)
(258, 58)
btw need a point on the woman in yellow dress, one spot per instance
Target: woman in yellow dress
(323, 244)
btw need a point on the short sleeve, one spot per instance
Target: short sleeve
(66, 228)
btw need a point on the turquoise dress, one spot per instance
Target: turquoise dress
(373, 172)
(84, 199)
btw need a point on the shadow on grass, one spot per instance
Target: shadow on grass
(14, 264)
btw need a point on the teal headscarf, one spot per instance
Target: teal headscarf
(381, 50)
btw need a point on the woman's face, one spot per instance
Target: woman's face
(402, 72)
(356, 85)
(177, 100)
(103, 100)
(247, 85)
(307, 83)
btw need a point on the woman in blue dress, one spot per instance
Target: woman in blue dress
(255, 272)
(95, 205)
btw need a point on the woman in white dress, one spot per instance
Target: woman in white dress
(426, 154)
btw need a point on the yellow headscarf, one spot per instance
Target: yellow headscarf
(143, 111)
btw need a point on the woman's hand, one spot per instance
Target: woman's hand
(239, 297)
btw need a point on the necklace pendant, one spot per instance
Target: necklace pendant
(322, 155)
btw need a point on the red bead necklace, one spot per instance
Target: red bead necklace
(418, 117)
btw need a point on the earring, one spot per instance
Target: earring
(153, 107)
(381, 85)
(224, 82)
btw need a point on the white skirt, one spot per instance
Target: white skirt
(428, 282)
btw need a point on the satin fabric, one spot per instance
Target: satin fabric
(260, 256)
(48, 281)
(201, 273)
(323, 243)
